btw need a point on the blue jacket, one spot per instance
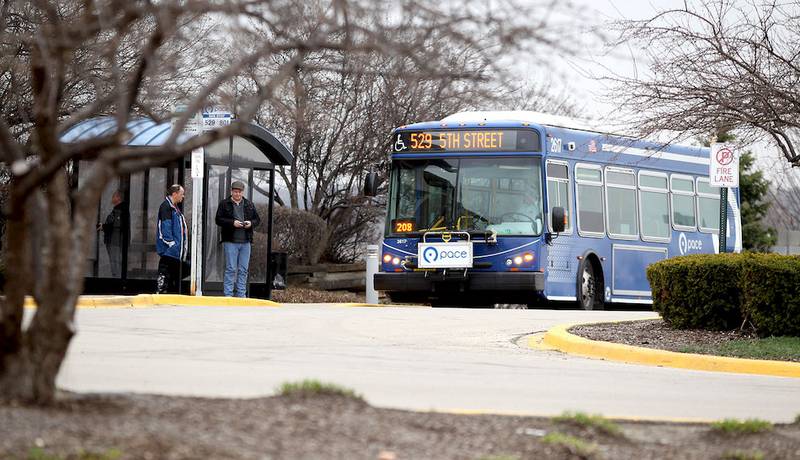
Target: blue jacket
(172, 232)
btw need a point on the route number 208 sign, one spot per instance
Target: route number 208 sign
(724, 166)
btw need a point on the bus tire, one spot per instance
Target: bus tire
(590, 286)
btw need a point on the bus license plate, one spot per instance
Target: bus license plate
(457, 254)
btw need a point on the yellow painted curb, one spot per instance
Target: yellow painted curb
(560, 339)
(153, 300)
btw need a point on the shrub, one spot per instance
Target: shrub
(698, 291)
(718, 291)
(771, 300)
(301, 234)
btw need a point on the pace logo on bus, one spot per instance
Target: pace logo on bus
(685, 245)
(457, 254)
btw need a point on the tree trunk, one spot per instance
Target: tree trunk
(31, 358)
(14, 375)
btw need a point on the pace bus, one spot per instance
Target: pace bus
(509, 207)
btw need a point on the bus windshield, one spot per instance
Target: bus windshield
(503, 195)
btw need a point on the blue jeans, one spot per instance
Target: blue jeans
(237, 261)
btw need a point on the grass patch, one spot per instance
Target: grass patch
(772, 348)
(499, 457)
(733, 426)
(595, 421)
(37, 453)
(576, 446)
(742, 455)
(315, 388)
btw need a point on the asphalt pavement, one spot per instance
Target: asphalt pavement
(463, 360)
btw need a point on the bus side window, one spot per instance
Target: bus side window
(683, 212)
(621, 206)
(589, 200)
(558, 192)
(654, 206)
(707, 206)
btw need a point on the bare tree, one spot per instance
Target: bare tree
(784, 195)
(718, 65)
(338, 111)
(66, 61)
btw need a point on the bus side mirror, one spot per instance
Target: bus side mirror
(371, 184)
(559, 219)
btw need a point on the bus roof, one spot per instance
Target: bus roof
(583, 133)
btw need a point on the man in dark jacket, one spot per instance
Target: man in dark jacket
(236, 216)
(172, 242)
(116, 231)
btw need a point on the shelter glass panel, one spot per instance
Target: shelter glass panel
(246, 151)
(140, 227)
(258, 253)
(219, 150)
(111, 229)
(214, 262)
(84, 168)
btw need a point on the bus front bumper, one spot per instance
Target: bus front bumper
(469, 281)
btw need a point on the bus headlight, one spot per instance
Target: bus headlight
(396, 261)
(387, 258)
(518, 260)
(527, 257)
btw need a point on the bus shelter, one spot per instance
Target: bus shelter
(123, 258)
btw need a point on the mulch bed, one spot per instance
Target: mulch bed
(656, 334)
(339, 427)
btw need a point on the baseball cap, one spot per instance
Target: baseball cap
(239, 185)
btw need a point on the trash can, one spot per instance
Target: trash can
(278, 268)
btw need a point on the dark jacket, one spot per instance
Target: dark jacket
(225, 218)
(116, 228)
(173, 233)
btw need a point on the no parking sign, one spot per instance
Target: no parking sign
(723, 169)
(723, 172)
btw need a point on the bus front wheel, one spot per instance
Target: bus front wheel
(590, 295)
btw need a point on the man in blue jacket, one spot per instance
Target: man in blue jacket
(172, 242)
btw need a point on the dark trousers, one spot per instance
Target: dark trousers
(170, 274)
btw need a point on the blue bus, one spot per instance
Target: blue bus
(520, 208)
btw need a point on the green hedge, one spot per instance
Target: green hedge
(771, 284)
(698, 291)
(718, 291)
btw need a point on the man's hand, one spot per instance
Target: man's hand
(238, 224)
(247, 224)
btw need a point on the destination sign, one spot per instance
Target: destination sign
(466, 140)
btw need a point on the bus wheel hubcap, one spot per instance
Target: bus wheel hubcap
(588, 287)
